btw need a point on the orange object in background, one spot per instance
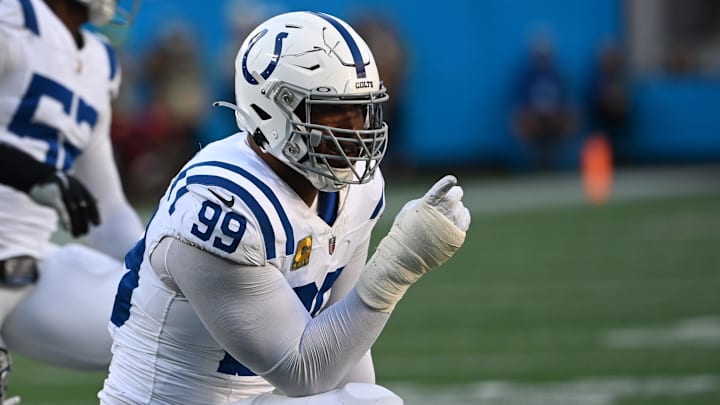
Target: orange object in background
(597, 168)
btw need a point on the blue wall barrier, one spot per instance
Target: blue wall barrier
(465, 58)
(676, 119)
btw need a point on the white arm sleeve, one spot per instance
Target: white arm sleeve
(3, 51)
(255, 315)
(364, 370)
(120, 227)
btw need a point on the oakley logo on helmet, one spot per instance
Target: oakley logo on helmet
(273, 62)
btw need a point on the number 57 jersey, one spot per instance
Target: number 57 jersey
(228, 202)
(54, 102)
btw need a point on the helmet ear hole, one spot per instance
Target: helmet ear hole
(259, 138)
(260, 112)
(300, 112)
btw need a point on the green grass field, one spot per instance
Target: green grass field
(573, 304)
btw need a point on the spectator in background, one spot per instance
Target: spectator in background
(163, 135)
(241, 17)
(126, 106)
(609, 95)
(680, 60)
(544, 117)
(390, 52)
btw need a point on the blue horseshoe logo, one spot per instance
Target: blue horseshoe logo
(273, 62)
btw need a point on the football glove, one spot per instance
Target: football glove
(75, 206)
(425, 233)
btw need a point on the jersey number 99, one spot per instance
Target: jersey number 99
(232, 226)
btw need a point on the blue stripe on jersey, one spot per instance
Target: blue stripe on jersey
(30, 17)
(378, 207)
(265, 226)
(129, 282)
(228, 365)
(112, 59)
(309, 292)
(181, 192)
(71, 153)
(354, 49)
(287, 227)
(327, 207)
(327, 284)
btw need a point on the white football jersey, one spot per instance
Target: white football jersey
(226, 201)
(54, 101)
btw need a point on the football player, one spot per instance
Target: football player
(252, 274)
(56, 165)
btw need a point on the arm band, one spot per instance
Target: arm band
(20, 170)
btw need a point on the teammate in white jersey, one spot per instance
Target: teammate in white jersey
(252, 273)
(56, 164)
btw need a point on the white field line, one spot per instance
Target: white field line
(588, 391)
(704, 331)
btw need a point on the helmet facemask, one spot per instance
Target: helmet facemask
(335, 139)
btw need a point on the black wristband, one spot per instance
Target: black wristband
(20, 170)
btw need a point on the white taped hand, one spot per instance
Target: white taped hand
(446, 196)
(425, 233)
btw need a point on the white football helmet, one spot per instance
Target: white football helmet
(102, 12)
(297, 67)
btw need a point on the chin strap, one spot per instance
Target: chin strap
(226, 104)
(243, 119)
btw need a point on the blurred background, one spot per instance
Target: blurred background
(493, 86)
(587, 137)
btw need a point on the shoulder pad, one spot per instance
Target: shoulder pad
(219, 223)
(19, 14)
(107, 58)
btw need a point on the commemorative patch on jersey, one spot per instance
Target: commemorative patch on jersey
(302, 253)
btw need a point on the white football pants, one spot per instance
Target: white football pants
(63, 320)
